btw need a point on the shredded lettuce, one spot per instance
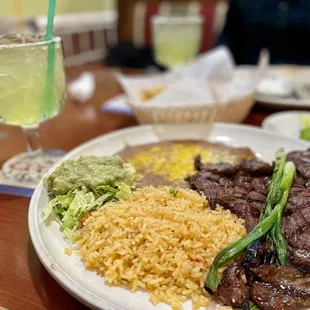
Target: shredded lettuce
(77, 203)
(124, 191)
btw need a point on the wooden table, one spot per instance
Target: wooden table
(24, 283)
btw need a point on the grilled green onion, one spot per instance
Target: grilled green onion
(276, 234)
(273, 197)
(232, 251)
(274, 193)
(254, 307)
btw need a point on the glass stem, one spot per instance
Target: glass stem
(33, 139)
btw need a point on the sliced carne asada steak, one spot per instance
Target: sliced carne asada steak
(242, 192)
(296, 226)
(270, 287)
(243, 189)
(301, 160)
(233, 290)
(278, 287)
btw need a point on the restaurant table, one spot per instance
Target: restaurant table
(24, 282)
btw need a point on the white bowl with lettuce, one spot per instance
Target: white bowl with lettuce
(293, 124)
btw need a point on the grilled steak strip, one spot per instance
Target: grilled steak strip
(280, 288)
(270, 287)
(242, 189)
(296, 226)
(233, 289)
(301, 160)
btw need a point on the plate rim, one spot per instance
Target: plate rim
(282, 102)
(67, 282)
(278, 102)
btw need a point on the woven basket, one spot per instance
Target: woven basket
(234, 111)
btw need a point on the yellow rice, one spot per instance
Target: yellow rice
(159, 243)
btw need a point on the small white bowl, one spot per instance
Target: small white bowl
(285, 123)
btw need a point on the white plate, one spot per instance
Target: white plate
(292, 74)
(68, 271)
(276, 86)
(284, 123)
(282, 103)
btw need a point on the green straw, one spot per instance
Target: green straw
(50, 59)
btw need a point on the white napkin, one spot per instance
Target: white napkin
(82, 89)
(216, 64)
(211, 79)
(186, 90)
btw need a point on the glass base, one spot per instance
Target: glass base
(32, 166)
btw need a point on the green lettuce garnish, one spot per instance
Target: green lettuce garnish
(72, 207)
(78, 187)
(305, 127)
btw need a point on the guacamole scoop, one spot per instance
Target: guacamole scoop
(89, 172)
